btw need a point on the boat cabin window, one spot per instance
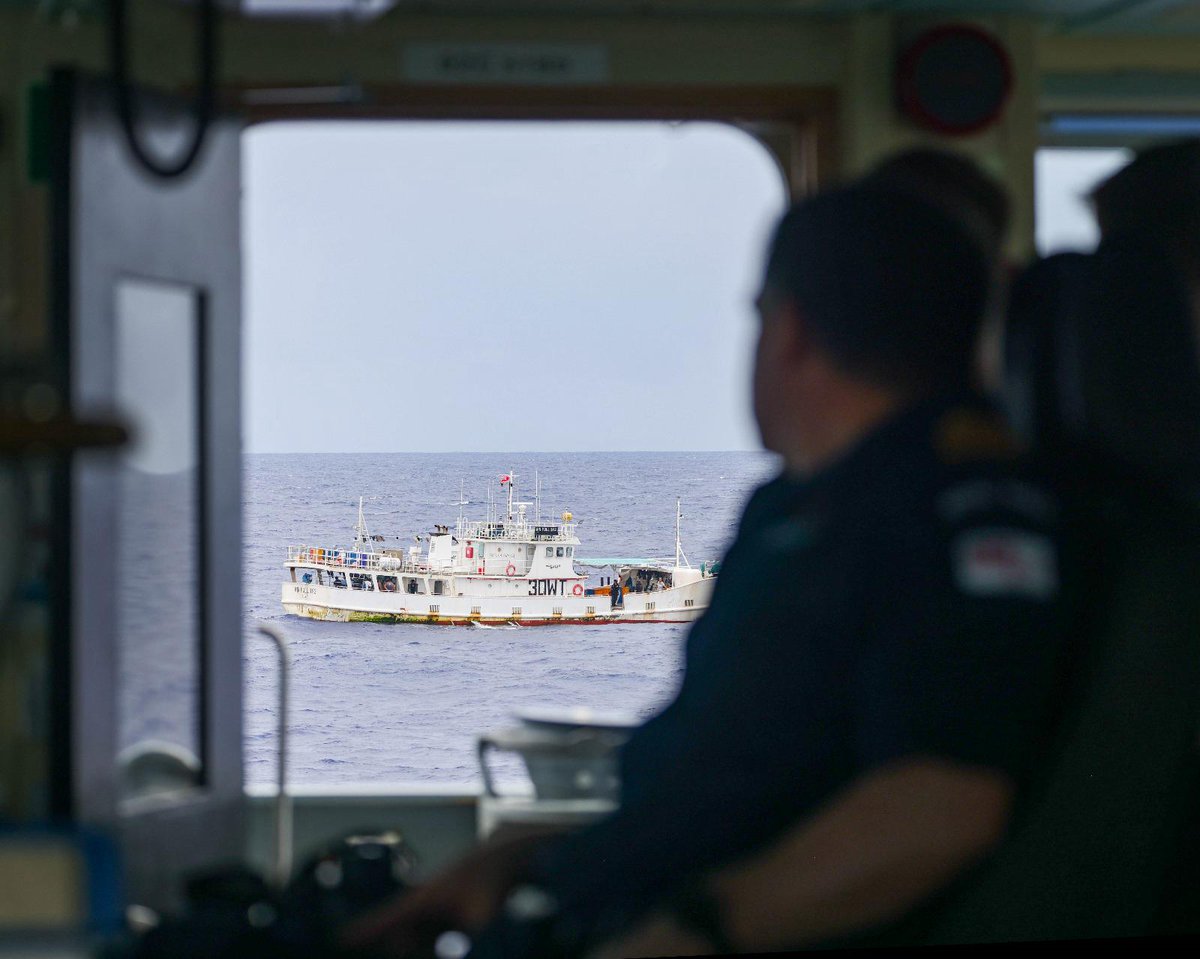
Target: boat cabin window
(357, 235)
(1064, 177)
(308, 576)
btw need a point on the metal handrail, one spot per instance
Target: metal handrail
(482, 529)
(339, 561)
(283, 801)
(351, 559)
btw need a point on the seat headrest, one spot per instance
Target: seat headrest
(1101, 361)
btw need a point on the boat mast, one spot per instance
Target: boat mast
(512, 481)
(679, 554)
(537, 498)
(360, 528)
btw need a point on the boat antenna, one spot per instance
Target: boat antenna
(679, 554)
(537, 498)
(462, 501)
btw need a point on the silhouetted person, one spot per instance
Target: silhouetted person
(1141, 285)
(1154, 202)
(866, 692)
(960, 188)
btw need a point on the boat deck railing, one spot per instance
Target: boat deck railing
(353, 559)
(537, 532)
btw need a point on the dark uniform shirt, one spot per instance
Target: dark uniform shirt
(903, 602)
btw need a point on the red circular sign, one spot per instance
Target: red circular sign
(954, 79)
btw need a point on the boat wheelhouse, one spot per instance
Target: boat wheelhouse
(504, 569)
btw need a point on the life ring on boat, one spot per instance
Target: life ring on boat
(510, 570)
(577, 589)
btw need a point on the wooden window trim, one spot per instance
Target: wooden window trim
(797, 125)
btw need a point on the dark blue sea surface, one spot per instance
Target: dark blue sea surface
(405, 703)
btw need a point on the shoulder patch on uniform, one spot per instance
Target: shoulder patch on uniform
(960, 501)
(998, 561)
(964, 435)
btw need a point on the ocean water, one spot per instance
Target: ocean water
(405, 703)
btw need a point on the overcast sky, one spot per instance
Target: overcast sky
(516, 286)
(522, 286)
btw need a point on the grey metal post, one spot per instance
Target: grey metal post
(283, 801)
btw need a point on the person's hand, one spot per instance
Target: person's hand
(657, 935)
(466, 898)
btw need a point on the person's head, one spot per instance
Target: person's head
(1157, 195)
(956, 184)
(872, 299)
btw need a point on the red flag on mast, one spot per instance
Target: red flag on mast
(506, 478)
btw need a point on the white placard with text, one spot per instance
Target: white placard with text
(541, 64)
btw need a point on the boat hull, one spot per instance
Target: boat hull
(681, 604)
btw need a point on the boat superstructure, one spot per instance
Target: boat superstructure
(504, 569)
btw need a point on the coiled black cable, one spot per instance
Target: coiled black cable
(204, 107)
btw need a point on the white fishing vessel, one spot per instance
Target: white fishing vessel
(505, 569)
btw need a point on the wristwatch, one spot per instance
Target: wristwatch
(694, 908)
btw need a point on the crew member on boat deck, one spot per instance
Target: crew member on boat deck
(870, 685)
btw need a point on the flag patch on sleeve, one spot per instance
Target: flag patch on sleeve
(1005, 562)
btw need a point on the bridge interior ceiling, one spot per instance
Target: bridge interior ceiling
(1125, 16)
(1152, 17)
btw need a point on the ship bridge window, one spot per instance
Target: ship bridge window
(611, 269)
(1063, 179)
